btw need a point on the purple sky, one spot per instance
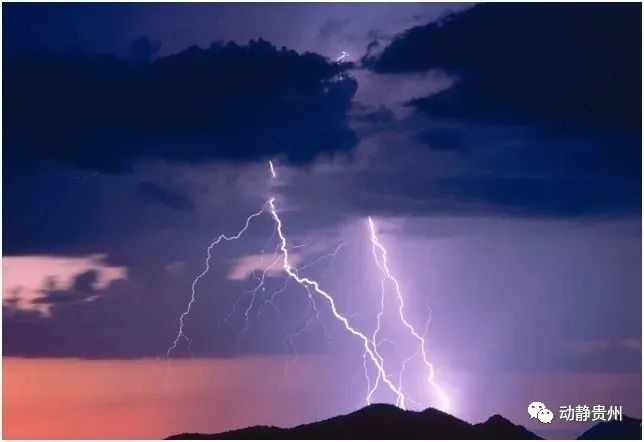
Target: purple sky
(509, 201)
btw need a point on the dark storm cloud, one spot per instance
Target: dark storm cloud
(543, 116)
(536, 196)
(476, 170)
(226, 102)
(561, 62)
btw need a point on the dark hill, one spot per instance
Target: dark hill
(382, 421)
(628, 428)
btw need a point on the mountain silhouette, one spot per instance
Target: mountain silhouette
(382, 421)
(628, 428)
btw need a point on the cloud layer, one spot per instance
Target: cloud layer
(558, 62)
(225, 102)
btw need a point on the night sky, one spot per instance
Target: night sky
(497, 147)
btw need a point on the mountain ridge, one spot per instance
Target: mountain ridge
(386, 421)
(382, 421)
(627, 428)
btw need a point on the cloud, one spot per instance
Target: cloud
(82, 289)
(530, 110)
(415, 167)
(252, 265)
(226, 102)
(138, 316)
(394, 92)
(558, 62)
(35, 283)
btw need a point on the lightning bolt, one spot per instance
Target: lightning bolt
(219, 239)
(370, 343)
(331, 255)
(313, 285)
(374, 339)
(383, 265)
(253, 296)
(342, 56)
(272, 168)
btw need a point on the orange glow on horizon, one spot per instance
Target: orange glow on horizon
(114, 399)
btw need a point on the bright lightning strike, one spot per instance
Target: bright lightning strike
(313, 285)
(374, 340)
(383, 264)
(220, 238)
(312, 288)
(342, 56)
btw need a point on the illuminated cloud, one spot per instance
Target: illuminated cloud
(27, 279)
(247, 266)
